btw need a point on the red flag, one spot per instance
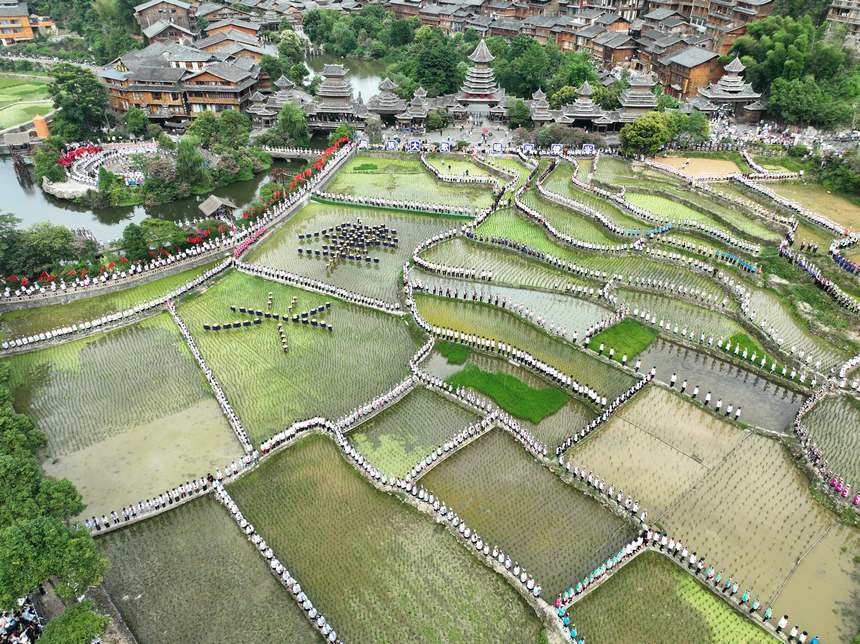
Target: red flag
(101, 269)
(244, 215)
(84, 271)
(308, 172)
(12, 278)
(72, 272)
(110, 266)
(43, 276)
(24, 281)
(123, 259)
(220, 229)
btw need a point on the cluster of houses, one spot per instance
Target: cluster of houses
(18, 25)
(206, 57)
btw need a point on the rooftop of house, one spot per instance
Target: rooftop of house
(689, 57)
(146, 5)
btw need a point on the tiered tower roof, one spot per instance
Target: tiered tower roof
(731, 88)
(638, 98)
(335, 92)
(583, 108)
(540, 108)
(480, 84)
(417, 108)
(386, 102)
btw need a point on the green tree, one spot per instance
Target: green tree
(136, 120)
(291, 48)
(574, 69)
(434, 62)
(318, 24)
(81, 99)
(518, 114)
(291, 129)
(562, 96)
(234, 127)
(646, 135)
(79, 623)
(11, 239)
(524, 67)
(44, 244)
(343, 39)
(163, 233)
(34, 550)
(190, 165)
(134, 242)
(205, 128)
(373, 129)
(438, 119)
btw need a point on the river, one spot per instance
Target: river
(27, 202)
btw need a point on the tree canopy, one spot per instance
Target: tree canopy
(81, 99)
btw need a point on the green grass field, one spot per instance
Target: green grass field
(627, 337)
(454, 353)
(511, 394)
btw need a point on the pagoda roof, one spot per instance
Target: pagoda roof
(585, 89)
(387, 85)
(736, 66)
(332, 70)
(482, 53)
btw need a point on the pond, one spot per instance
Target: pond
(31, 205)
(366, 75)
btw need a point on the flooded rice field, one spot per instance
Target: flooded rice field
(570, 222)
(379, 570)
(818, 199)
(553, 429)
(656, 448)
(492, 322)
(191, 576)
(651, 599)
(405, 179)
(765, 404)
(270, 389)
(700, 166)
(567, 312)
(684, 314)
(379, 280)
(403, 434)
(126, 414)
(506, 267)
(834, 425)
(555, 532)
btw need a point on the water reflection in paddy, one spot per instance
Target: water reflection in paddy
(764, 403)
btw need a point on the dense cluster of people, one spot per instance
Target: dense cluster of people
(451, 445)
(107, 321)
(231, 416)
(359, 414)
(309, 284)
(277, 568)
(457, 178)
(790, 205)
(349, 241)
(23, 625)
(821, 281)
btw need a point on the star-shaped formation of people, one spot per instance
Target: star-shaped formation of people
(349, 241)
(309, 318)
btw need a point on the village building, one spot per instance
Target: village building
(480, 90)
(684, 72)
(637, 99)
(163, 31)
(334, 102)
(15, 23)
(214, 207)
(170, 12)
(845, 14)
(584, 112)
(386, 103)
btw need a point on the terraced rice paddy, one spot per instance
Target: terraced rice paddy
(22, 99)
(740, 512)
(834, 425)
(270, 389)
(127, 414)
(380, 280)
(572, 314)
(161, 566)
(403, 434)
(676, 211)
(406, 179)
(652, 599)
(764, 403)
(377, 569)
(683, 314)
(28, 321)
(701, 166)
(771, 312)
(657, 448)
(491, 322)
(515, 503)
(506, 267)
(818, 199)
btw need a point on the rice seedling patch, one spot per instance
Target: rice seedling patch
(366, 354)
(454, 353)
(628, 337)
(189, 575)
(376, 568)
(406, 432)
(554, 531)
(651, 599)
